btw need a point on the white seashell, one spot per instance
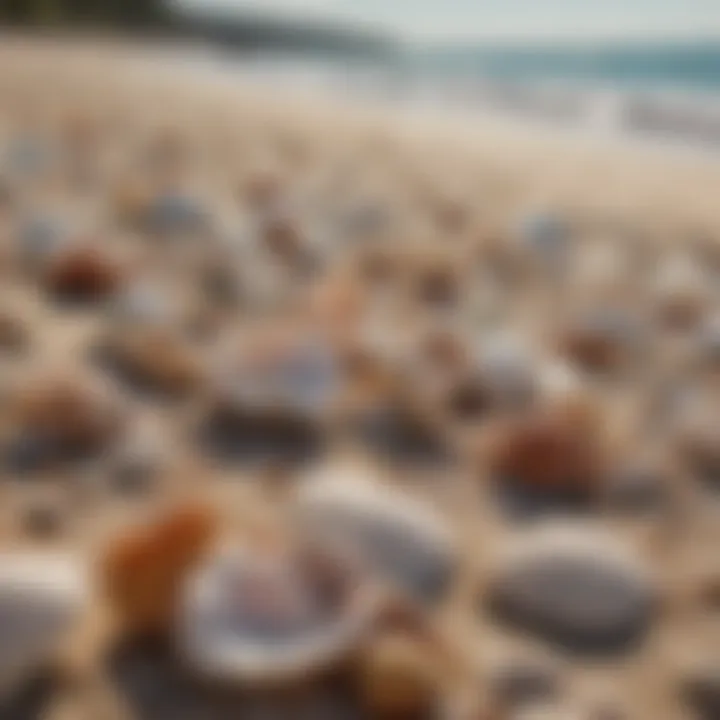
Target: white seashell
(221, 639)
(40, 598)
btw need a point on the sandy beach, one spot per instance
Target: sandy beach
(431, 266)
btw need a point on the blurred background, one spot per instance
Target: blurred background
(641, 66)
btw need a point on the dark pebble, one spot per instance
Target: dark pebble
(702, 694)
(636, 491)
(42, 521)
(260, 438)
(525, 684)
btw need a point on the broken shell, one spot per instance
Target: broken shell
(394, 536)
(269, 617)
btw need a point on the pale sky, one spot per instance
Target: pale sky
(439, 19)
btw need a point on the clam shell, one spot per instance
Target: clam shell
(215, 642)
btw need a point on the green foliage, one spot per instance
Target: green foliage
(103, 13)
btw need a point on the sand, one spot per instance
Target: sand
(495, 171)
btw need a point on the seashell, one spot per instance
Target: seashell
(63, 417)
(271, 398)
(398, 677)
(398, 539)
(143, 570)
(548, 455)
(154, 359)
(41, 597)
(600, 342)
(270, 616)
(83, 274)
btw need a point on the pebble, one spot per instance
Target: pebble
(575, 594)
(175, 214)
(637, 489)
(521, 684)
(701, 694)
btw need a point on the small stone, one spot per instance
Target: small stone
(523, 684)
(546, 236)
(701, 694)
(14, 333)
(134, 474)
(42, 521)
(575, 594)
(39, 237)
(174, 214)
(637, 489)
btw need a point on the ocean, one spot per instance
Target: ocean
(677, 66)
(668, 92)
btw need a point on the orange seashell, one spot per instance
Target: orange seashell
(142, 572)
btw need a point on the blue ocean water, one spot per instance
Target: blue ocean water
(693, 66)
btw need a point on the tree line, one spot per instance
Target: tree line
(88, 13)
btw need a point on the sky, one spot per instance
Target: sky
(506, 19)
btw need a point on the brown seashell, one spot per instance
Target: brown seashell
(142, 571)
(155, 358)
(550, 452)
(83, 273)
(67, 413)
(398, 677)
